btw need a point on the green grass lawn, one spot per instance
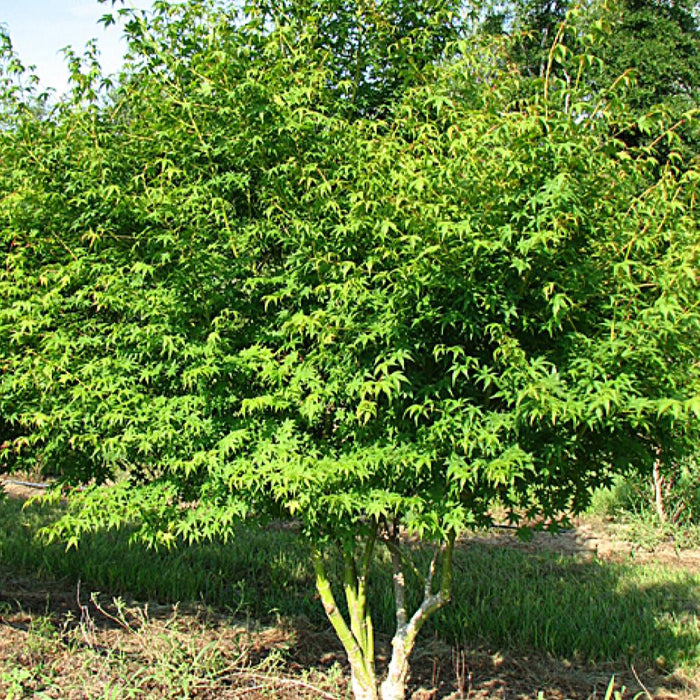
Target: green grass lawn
(583, 610)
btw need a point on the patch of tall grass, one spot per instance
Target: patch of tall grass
(591, 610)
(258, 572)
(630, 501)
(504, 598)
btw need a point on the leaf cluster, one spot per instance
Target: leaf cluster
(234, 286)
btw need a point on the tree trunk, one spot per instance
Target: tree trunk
(357, 637)
(361, 690)
(394, 688)
(659, 486)
(394, 685)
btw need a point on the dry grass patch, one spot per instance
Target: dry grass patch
(77, 646)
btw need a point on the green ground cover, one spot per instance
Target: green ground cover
(576, 608)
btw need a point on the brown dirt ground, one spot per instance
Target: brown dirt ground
(61, 643)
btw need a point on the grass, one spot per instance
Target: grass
(152, 655)
(629, 502)
(258, 573)
(591, 610)
(574, 609)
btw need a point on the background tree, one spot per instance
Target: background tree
(533, 24)
(228, 296)
(374, 49)
(660, 42)
(655, 44)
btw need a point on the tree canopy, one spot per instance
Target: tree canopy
(246, 282)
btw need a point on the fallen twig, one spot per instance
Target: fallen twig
(28, 484)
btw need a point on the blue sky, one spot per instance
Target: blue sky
(40, 28)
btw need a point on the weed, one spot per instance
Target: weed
(16, 682)
(613, 693)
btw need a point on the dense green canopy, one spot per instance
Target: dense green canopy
(247, 282)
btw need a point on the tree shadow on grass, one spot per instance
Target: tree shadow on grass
(527, 621)
(584, 615)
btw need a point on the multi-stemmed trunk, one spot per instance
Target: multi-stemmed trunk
(357, 637)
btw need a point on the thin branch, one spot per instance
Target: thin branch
(392, 544)
(428, 588)
(615, 83)
(448, 568)
(432, 602)
(399, 588)
(639, 680)
(671, 129)
(122, 623)
(365, 563)
(369, 551)
(550, 60)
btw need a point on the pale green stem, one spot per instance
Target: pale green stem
(362, 667)
(356, 596)
(362, 593)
